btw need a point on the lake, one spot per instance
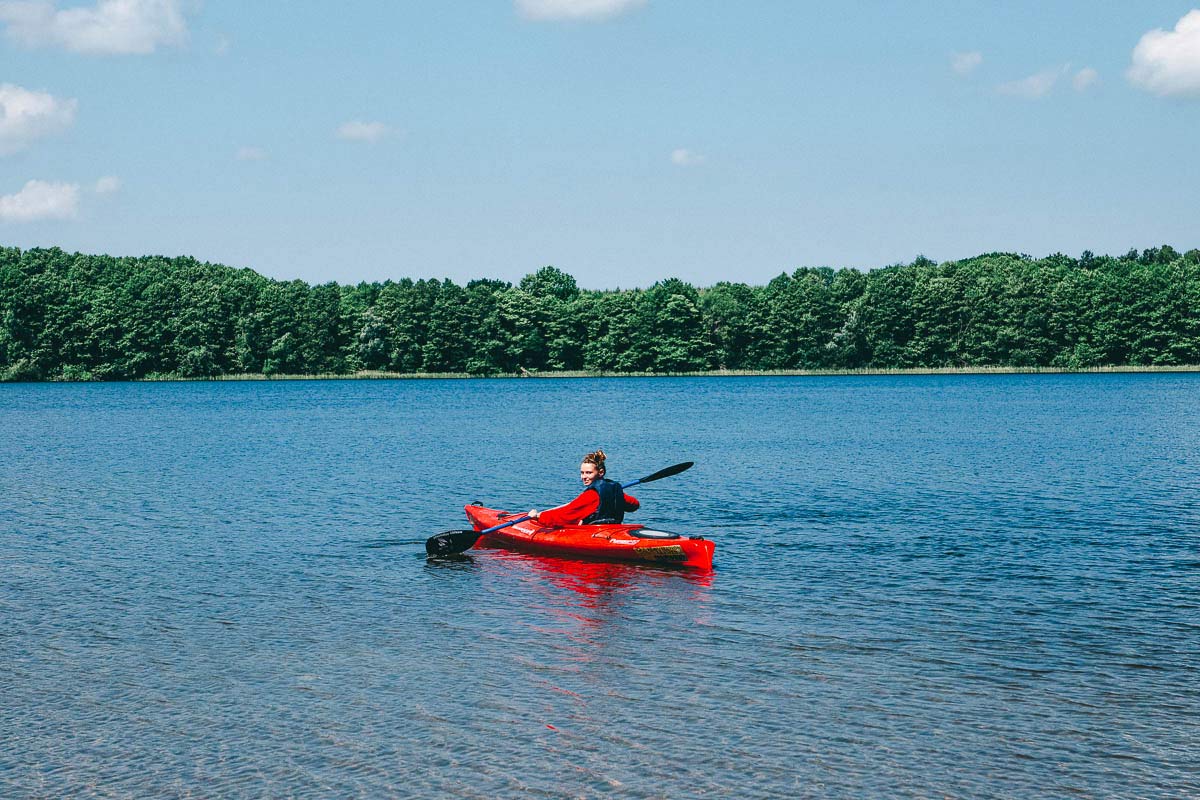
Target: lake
(925, 586)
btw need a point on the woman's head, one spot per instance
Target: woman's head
(592, 468)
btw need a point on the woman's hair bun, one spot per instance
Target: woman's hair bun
(596, 458)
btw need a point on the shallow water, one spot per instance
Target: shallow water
(944, 586)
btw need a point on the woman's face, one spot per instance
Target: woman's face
(589, 473)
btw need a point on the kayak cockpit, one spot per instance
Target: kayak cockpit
(647, 533)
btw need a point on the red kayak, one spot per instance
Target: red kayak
(607, 542)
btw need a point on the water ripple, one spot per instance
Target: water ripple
(925, 587)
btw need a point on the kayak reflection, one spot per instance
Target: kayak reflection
(597, 584)
(580, 619)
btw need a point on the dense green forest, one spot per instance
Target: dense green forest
(87, 317)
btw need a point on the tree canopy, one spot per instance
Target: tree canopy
(70, 316)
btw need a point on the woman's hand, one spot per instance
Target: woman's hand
(533, 513)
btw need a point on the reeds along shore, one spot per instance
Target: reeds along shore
(80, 317)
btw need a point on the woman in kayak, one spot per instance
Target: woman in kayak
(601, 500)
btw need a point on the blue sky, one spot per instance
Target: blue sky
(623, 141)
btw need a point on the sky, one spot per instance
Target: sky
(622, 141)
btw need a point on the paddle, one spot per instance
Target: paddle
(448, 543)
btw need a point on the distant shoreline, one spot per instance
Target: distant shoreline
(374, 375)
(76, 317)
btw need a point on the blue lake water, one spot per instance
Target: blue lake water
(945, 586)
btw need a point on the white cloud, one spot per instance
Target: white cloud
(111, 27)
(40, 200)
(965, 63)
(1037, 85)
(357, 131)
(26, 116)
(251, 154)
(574, 9)
(685, 158)
(1168, 62)
(108, 184)
(1084, 79)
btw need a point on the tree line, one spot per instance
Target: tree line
(67, 316)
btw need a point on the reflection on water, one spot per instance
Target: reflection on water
(583, 598)
(596, 583)
(924, 587)
(593, 581)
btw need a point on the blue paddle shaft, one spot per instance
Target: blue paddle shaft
(504, 525)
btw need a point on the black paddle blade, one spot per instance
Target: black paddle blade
(448, 543)
(668, 472)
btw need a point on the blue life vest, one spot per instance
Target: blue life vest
(612, 502)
